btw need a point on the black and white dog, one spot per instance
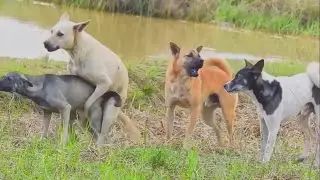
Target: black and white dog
(279, 98)
(64, 94)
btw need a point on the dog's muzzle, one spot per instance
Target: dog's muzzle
(227, 87)
(49, 47)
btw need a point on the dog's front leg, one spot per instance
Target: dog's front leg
(273, 126)
(66, 118)
(98, 92)
(195, 110)
(170, 119)
(264, 136)
(46, 122)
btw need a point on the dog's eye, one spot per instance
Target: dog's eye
(60, 34)
(51, 31)
(189, 55)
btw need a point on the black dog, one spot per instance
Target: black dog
(64, 94)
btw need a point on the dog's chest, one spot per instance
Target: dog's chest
(180, 94)
(76, 67)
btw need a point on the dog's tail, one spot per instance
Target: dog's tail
(313, 71)
(109, 94)
(222, 64)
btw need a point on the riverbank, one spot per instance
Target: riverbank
(23, 155)
(282, 17)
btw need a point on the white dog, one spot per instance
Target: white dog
(97, 64)
(278, 98)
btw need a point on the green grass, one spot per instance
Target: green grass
(286, 17)
(25, 156)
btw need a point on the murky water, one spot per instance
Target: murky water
(24, 26)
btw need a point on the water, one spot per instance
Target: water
(24, 26)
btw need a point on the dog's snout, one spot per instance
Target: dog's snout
(226, 86)
(46, 44)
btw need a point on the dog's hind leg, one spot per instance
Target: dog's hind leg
(273, 125)
(82, 121)
(317, 114)
(208, 115)
(170, 119)
(95, 117)
(303, 121)
(46, 122)
(110, 114)
(98, 92)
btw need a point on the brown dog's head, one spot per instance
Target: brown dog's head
(191, 62)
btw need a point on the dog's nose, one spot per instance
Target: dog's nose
(46, 44)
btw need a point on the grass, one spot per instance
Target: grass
(287, 17)
(24, 156)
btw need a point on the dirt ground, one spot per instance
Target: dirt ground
(152, 127)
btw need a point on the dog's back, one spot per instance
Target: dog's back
(214, 74)
(74, 89)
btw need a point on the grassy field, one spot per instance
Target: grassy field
(24, 155)
(289, 17)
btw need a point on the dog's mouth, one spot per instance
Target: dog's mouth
(193, 72)
(192, 69)
(49, 47)
(230, 88)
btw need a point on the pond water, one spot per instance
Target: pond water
(24, 26)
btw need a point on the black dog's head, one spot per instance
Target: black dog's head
(13, 82)
(246, 77)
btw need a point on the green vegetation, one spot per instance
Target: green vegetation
(289, 17)
(24, 155)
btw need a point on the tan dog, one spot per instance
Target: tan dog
(97, 64)
(181, 89)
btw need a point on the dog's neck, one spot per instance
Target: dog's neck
(83, 43)
(27, 91)
(266, 93)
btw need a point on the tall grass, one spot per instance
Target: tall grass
(279, 16)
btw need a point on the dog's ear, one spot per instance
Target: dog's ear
(199, 48)
(248, 64)
(175, 49)
(259, 65)
(64, 17)
(28, 83)
(81, 26)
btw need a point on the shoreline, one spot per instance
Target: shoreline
(245, 15)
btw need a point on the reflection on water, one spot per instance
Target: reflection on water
(24, 27)
(25, 40)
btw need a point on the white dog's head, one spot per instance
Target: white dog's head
(63, 34)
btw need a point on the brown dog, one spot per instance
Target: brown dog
(202, 94)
